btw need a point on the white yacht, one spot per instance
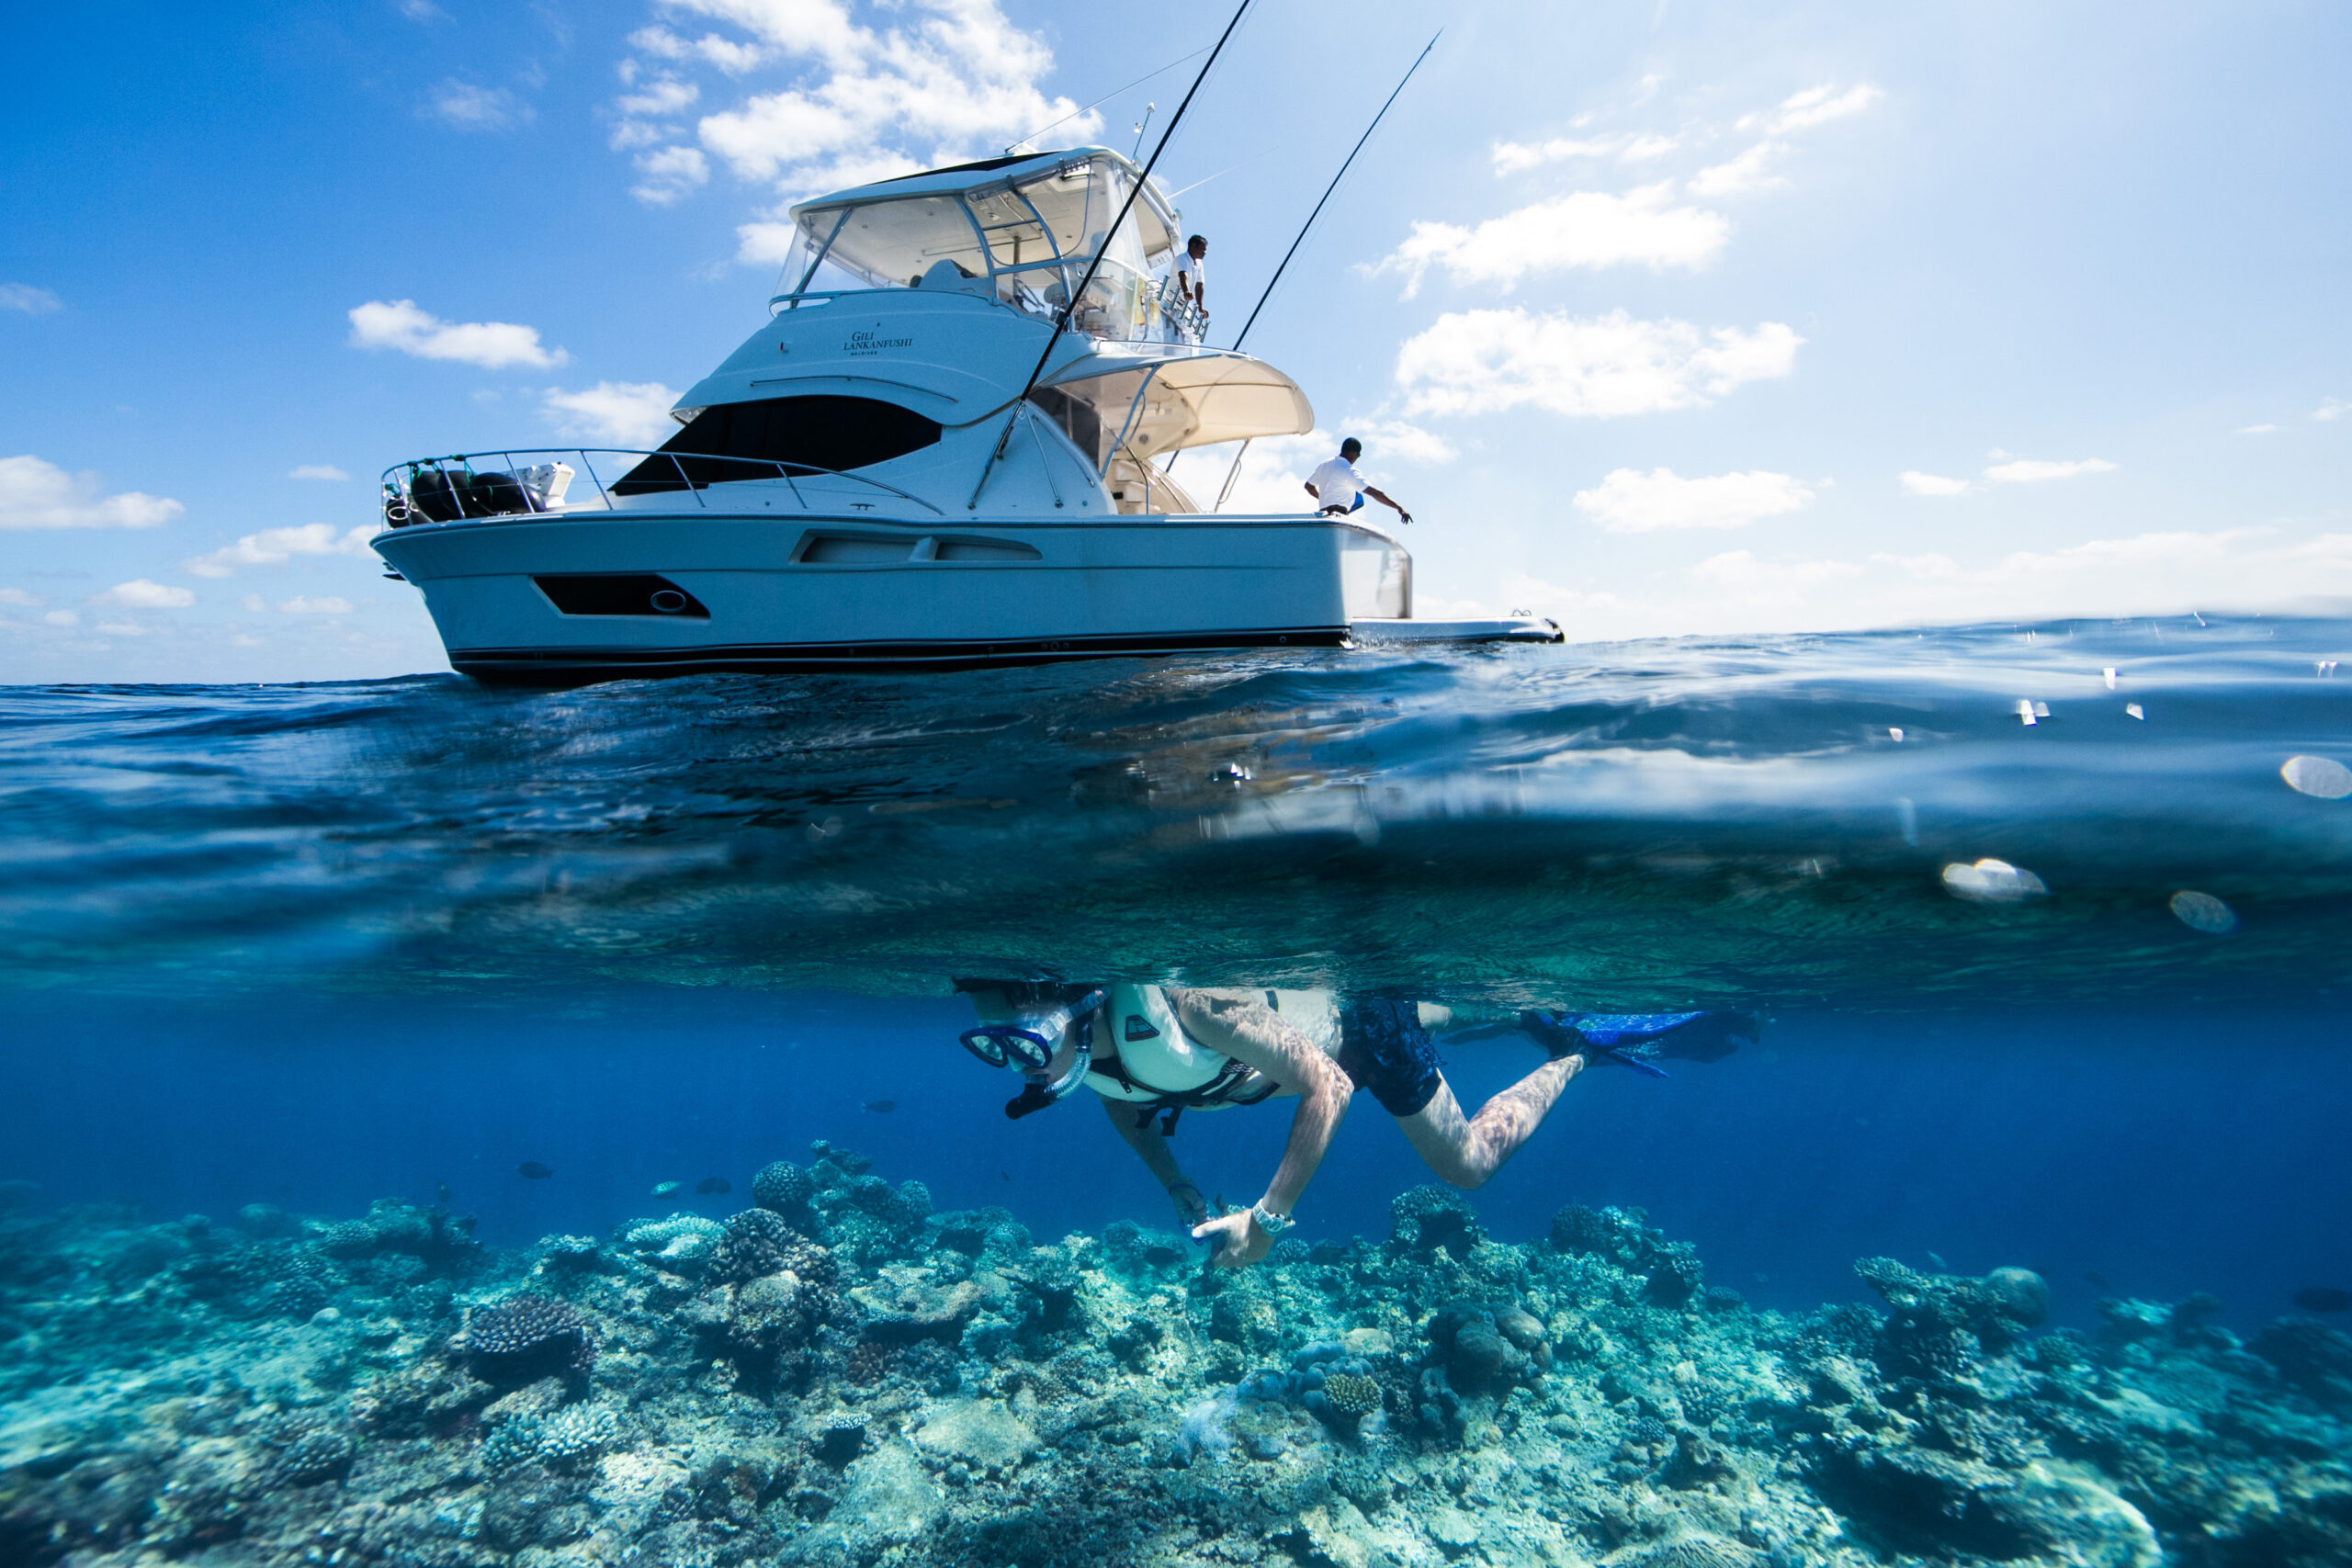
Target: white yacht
(863, 485)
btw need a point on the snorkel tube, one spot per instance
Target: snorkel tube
(1045, 1013)
(1041, 1091)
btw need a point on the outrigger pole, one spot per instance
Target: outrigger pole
(1235, 472)
(1070, 306)
(1333, 186)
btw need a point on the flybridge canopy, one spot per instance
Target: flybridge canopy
(1150, 405)
(1018, 230)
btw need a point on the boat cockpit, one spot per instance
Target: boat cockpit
(1017, 230)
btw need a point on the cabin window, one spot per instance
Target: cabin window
(803, 434)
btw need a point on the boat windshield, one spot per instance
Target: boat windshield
(1023, 242)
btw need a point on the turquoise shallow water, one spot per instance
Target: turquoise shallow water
(274, 955)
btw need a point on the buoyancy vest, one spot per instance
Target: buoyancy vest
(1162, 1071)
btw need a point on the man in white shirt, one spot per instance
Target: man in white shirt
(1192, 275)
(1338, 488)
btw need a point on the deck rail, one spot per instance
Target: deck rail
(498, 484)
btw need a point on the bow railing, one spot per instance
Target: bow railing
(470, 485)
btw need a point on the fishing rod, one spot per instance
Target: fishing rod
(1334, 186)
(1235, 472)
(1069, 306)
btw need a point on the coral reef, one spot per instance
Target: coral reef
(840, 1376)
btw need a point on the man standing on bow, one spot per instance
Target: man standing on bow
(1338, 488)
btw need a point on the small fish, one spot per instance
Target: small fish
(441, 1193)
(1006, 1174)
(534, 1170)
(882, 1107)
(710, 1184)
(2098, 1280)
(669, 1191)
(1939, 1265)
(2323, 1298)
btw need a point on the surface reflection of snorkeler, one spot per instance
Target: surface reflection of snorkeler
(1151, 1053)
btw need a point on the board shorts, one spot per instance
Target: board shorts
(1386, 1053)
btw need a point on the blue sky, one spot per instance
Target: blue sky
(1662, 317)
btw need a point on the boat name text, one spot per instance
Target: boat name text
(867, 342)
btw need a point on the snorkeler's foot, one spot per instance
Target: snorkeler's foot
(1554, 1034)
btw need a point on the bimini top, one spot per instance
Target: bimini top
(1157, 404)
(1019, 230)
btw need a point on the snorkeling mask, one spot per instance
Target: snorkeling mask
(1045, 1014)
(1035, 1034)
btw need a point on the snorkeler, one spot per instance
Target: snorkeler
(1151, 1053)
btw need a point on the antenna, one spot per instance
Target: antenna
(1070, 306)
(1109, 96)
(1333, 186)
(1141, 125)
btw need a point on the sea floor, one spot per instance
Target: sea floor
(839, 1375)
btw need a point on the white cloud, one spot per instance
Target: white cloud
(662, 96)
(865, 92)
(300, 605)
(254, 604)
(2256, 429)
(670, 174)
(2332, 408)
(1630, 501)
(140, 594)
(1814, 105)
(492, 346)
(421, 11)
(626, 413)
(2028, 470)
(22, 598)
(34, 494)
(1585, 229)
(1485, 361)
(471, 108)
(1916, 483)
(1763, 582)
(272, 545)
(1749, 172)
(61, 618)
(30, 300)
(1396, 440)
(1515, 157)
(316, 471)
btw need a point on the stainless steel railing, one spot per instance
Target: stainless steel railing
(469, 486)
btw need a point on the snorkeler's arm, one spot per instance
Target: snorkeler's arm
(1151, 1146)
(1250, 1034)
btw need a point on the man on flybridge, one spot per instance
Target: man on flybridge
(1338, 488)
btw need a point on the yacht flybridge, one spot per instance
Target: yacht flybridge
(862, 484)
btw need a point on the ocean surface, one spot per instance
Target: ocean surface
(2052, 931)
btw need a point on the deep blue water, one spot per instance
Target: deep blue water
(319, 944)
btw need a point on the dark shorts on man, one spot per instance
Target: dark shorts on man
(1386, 1053)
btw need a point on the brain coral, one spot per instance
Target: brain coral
(782, 1185)
(1428, 1217)
(757, 1244)
(524, 1337)
(1352, 1394)
(654, 1235)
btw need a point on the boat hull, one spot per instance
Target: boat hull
(555, 599)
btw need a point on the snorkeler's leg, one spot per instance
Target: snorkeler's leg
(1151, 1146)
(1464, 1151)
